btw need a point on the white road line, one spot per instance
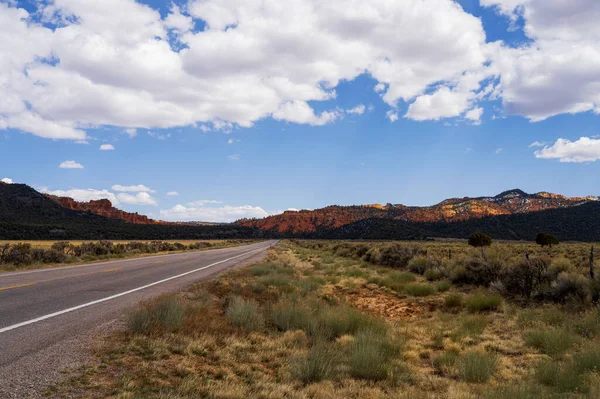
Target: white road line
(141, 258)
(51, 315)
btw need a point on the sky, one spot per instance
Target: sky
(216, 110)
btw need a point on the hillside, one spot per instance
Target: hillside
(102, 207)
(512, 202)
(26, 214)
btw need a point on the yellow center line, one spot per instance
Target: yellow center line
(16, 286)
(112, 270)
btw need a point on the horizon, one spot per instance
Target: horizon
(215, 111)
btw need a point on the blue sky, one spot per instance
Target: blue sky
(242, 152)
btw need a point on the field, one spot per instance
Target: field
(325, 320)
(20, 255)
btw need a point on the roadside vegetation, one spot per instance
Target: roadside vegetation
(322, 319)
(34, 254)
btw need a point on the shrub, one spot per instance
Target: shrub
(394, 255)
(453, 301)
(443, 286)
(435, 273)
(558, 266)
(418, 264)
(483, 303)
(589, 325)
(570, 286)
(401, 277)
(370, 357)
(544, 239)
(420, 289)
(245, 314)
(163, 314)
(476, 271)
(588, 360)
(17, 254)
(318, 365)
(445, 362)
(551, 341)
(525, 277)
(478, 239)
(561, 377)
(477, 366)
(290, 315)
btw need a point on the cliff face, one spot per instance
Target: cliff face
(102, 207)
(451, 210)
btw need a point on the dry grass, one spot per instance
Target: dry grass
(335, 327)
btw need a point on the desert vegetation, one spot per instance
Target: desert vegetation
(321, 319)
(20, 255)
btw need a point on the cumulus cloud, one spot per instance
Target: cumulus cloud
(557, 72)
(7, 180)
(83, 195)
(172, 193)
(107, 147)
(70, 165)
(474, 115)
(203, 202)
(130, 132)
(392, 116)
(89, 66)
(133, 189)
(224, 213)
(358, 110)
(583, 150)
(141, 198)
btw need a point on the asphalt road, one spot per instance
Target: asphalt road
(46, 314)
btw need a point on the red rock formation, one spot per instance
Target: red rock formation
(455, 209)
(102, 207)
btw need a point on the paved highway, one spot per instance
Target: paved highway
(46, 314)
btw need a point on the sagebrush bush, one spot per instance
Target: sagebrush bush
(560, 376)
(435, 273)
(475, 271)
(551, 341)
(453, 301)
(481, 302)
(163, 314)
(418, 264)
(419, 289)
(570, 286)
(245, 314)
(443, 286)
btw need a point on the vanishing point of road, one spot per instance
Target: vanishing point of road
(46, 315)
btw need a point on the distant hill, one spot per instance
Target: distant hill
(26, 214)
(436, 217)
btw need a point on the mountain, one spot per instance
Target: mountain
(101, 207)
(512, 202)
(26, 214)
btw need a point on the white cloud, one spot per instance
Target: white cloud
(83, 195)
(172, 193)
(392, 116)
(107, 147)
(379, 87)
(224, 213)
(358, 110)
(234, 157)
(557, 72)
(7, 180)
(537, 144)
(141, 198)
(133, 189)
(443, 103)
(158, 136)
(130, 132)
(203, 202)
(230, 141)
(70, 165)
(499, 150)
(474, 115)
(255, 59)
(583, 150)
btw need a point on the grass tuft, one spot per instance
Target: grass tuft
(245, 314)
(477, 366)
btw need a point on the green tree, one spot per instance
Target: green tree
(480, 240)
(544, 239)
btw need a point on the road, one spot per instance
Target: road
(46, 315)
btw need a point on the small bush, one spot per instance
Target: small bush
(483, 303)
(561, 377)
(453, 301)
(418, 264)
(445, 362)
(419, 289)
(475, 271)
(443, 286)
(558, 266)
(570, 286)
(371, 353)
(477, 366)
(589, 325)
(163, 314)
(553, 342)
(588, 360)
(434, 274)
(401, 277)
(245, 314)
(317, 366)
